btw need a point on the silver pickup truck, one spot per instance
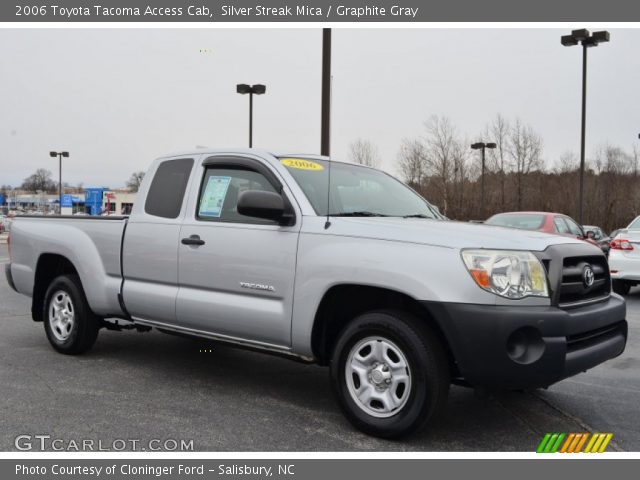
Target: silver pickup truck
(325, 262)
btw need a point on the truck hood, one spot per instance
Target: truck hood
(446, 233)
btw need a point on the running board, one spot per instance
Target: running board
(237, 342)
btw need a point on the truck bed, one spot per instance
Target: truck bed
(92, 244)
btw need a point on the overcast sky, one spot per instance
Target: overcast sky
(117, 98)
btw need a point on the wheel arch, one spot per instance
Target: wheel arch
(48, 267)
(342, 303)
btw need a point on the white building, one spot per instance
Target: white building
(118, 202)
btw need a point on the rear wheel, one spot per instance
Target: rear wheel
(621, 287)
(390, 373)
(71, 326)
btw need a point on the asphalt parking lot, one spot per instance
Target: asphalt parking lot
(155, 386)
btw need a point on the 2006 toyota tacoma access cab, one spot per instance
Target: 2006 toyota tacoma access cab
(327, 262)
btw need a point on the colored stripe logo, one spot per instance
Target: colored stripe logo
(574, 443)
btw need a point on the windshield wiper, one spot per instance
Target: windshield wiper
(417, 215)
(362, 213)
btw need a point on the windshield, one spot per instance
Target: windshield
(356, 191)
(523, 221)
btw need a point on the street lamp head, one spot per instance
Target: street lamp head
(477, 146)
(580, 35)
(259, 89)
(243, 88)
(65, 154)
(53, 154)
(590, 42)
(568, 40)
(601, 37)
(491, 145)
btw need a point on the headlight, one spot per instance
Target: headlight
(507, 273)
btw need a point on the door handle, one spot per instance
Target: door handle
(193, 240)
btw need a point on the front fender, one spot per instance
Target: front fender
(422, 272)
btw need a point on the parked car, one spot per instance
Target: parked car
(624, 258)
(352, 270)
(556, 223)
(616, 232)
(597, 234)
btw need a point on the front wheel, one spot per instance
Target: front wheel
(71, 326)
(621, 287)
(389, 373)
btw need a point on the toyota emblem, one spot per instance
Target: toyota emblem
(588, 277)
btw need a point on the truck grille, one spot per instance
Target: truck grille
(574, 290)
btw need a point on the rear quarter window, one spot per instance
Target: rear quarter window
(166, 193)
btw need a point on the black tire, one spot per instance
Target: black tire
(83, 330)
(621, 287)
(428, 366)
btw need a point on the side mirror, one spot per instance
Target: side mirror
(590, 234)
(262, 204)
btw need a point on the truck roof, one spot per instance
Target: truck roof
(245, 151)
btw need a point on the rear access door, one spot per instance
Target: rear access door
(150, 250)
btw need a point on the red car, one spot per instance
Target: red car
(541, 221)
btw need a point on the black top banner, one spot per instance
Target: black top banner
(320, 11)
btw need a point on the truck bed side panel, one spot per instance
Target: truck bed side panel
(91, 245)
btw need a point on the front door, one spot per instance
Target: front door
(236, 273)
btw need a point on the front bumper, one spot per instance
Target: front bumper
(527, 346)
(7, 272)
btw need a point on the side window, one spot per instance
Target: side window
(574, 228)
(220, 190)
(166, 192)
(561, 226)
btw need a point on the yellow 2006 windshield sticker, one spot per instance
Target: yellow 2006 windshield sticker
(301, 164)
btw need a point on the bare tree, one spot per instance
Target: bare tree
(41, 180)
(439, 166)
(498, 132)
(567, 163)
(133, 184)
(364, 152)
(461, 156)
(413, 162)
(440, 148)
(525, 151)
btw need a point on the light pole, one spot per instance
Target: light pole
(482, 146)
(59, 155)
(587, 40)
(243, 89)
(325, 119)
